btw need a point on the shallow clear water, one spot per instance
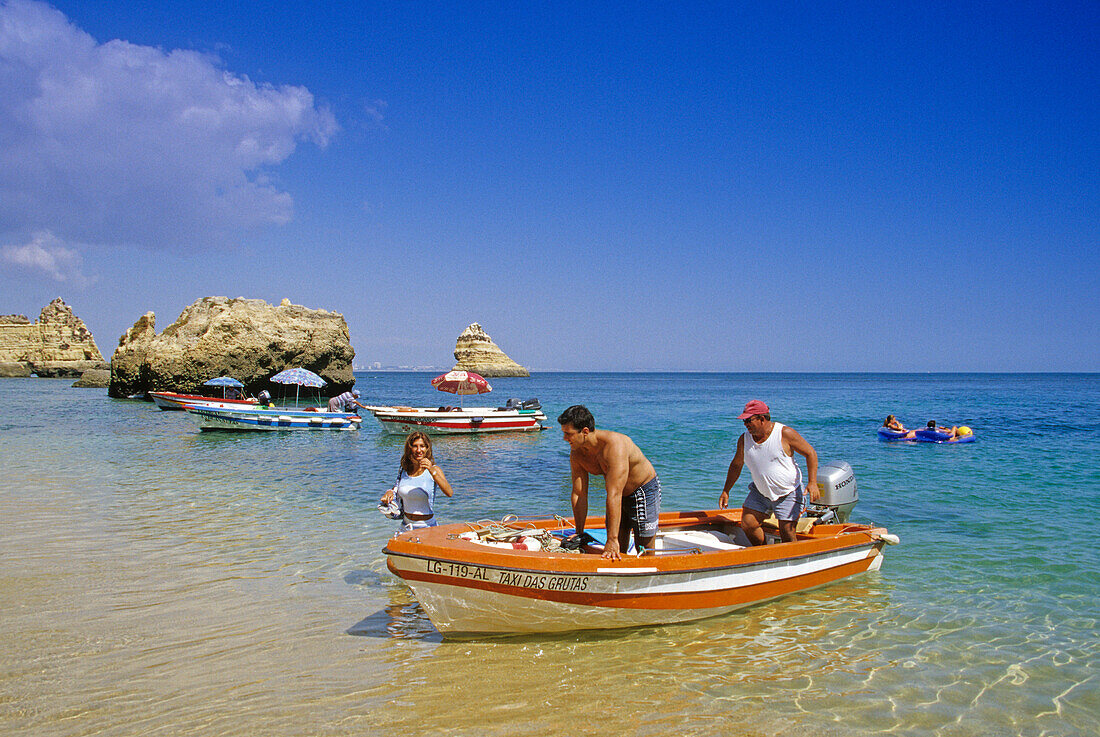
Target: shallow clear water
(159, 580)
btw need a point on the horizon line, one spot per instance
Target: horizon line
(725, 371)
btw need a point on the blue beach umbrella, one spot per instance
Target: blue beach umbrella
(224, 382)
(301, 377)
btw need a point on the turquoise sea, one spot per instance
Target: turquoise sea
(159, 580)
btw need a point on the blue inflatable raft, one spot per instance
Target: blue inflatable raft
(934, 436)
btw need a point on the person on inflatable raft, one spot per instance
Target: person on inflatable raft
(892, 424)
(954, 434)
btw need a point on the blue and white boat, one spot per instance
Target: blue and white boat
(278, 418)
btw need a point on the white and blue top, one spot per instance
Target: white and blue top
(416, 494)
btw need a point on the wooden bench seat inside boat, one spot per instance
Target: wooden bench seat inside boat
(804, 524)
(704, 540)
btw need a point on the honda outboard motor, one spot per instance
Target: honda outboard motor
(838, 492)
(531, 404)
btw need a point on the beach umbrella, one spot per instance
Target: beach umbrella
(225, 382)
(461, 382)
(301, 377)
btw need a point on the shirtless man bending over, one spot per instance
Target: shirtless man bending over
(633, 489)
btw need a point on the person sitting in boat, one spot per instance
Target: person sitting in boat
(231, 392)
(417, 483)
(264, 400)
(633, 489)
(891, 423)
(768, 449)
(346, 402)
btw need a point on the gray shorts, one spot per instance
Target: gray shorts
(640, 509)
(787, 508)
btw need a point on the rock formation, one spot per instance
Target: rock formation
(248, 339)
(14, 369)
(57, 344)
(94, 379)
(475, 351)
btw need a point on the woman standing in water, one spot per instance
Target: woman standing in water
(417, 483)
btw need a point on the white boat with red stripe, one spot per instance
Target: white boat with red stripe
(521, 417)
(174, 401)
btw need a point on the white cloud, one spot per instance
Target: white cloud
(47, 253)
(375, 111)
(114, 142)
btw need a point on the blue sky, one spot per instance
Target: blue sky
(663, 186)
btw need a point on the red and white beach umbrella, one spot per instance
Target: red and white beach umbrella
(462, 382)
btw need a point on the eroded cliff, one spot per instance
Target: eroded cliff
(475, 351)
(248, 339)
(58, 343)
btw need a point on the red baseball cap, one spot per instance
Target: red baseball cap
(755, 407)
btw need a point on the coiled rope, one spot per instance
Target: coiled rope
(506, 531)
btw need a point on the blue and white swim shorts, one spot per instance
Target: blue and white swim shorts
(641, 509)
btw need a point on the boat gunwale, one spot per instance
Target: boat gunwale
(648, 571)
(175, 397)
(831, 538)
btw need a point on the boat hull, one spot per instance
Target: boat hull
(474, 420)
(217, 418)
(170, 401)
(469, 589)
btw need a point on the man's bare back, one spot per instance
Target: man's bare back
(606, 454)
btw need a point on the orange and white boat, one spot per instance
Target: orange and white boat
(470, 581)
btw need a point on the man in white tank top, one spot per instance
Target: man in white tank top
(768, 448)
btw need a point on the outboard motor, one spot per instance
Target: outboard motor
(837, 483)
(513, 403)
(531, 404)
